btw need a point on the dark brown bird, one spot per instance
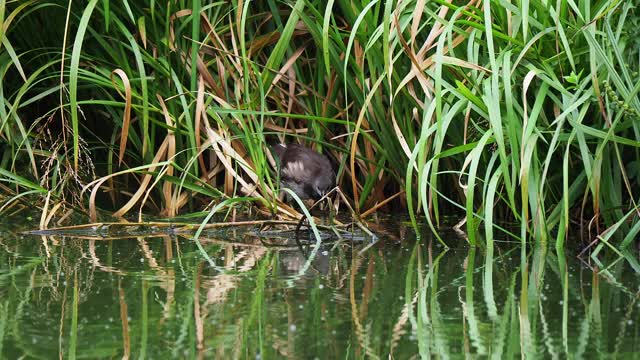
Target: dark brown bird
(309, 174)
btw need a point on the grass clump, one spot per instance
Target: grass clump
(487, 110)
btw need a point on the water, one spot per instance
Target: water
(157, 297)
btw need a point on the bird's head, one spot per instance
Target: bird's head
(322, 185)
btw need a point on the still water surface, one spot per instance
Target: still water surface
(157, 297)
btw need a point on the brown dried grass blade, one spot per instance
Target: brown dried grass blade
(206, 75)
(126, 118)
(285, 68)
(381, 204)
(354, 142)
(171, 152)
(172, 33)
(224, 151)
(401, 139)
(45, 208)
(134, 199)
(52, 213)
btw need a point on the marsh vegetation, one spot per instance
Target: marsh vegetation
(516, 120)
(492, 111)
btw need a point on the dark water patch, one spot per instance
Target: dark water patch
(157, 297)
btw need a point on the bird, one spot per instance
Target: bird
(307, 173)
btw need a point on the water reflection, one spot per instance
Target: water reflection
(154, 297)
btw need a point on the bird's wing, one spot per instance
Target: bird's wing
(297, 171)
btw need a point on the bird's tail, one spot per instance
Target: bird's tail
(278, 149)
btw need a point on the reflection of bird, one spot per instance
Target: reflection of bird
(309, 174)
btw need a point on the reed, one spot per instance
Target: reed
(491, 111)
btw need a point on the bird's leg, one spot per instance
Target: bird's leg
(354, 216)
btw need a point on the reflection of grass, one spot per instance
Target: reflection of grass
(544, 313)
(159, 296)
(4, 316)
(7, 274)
